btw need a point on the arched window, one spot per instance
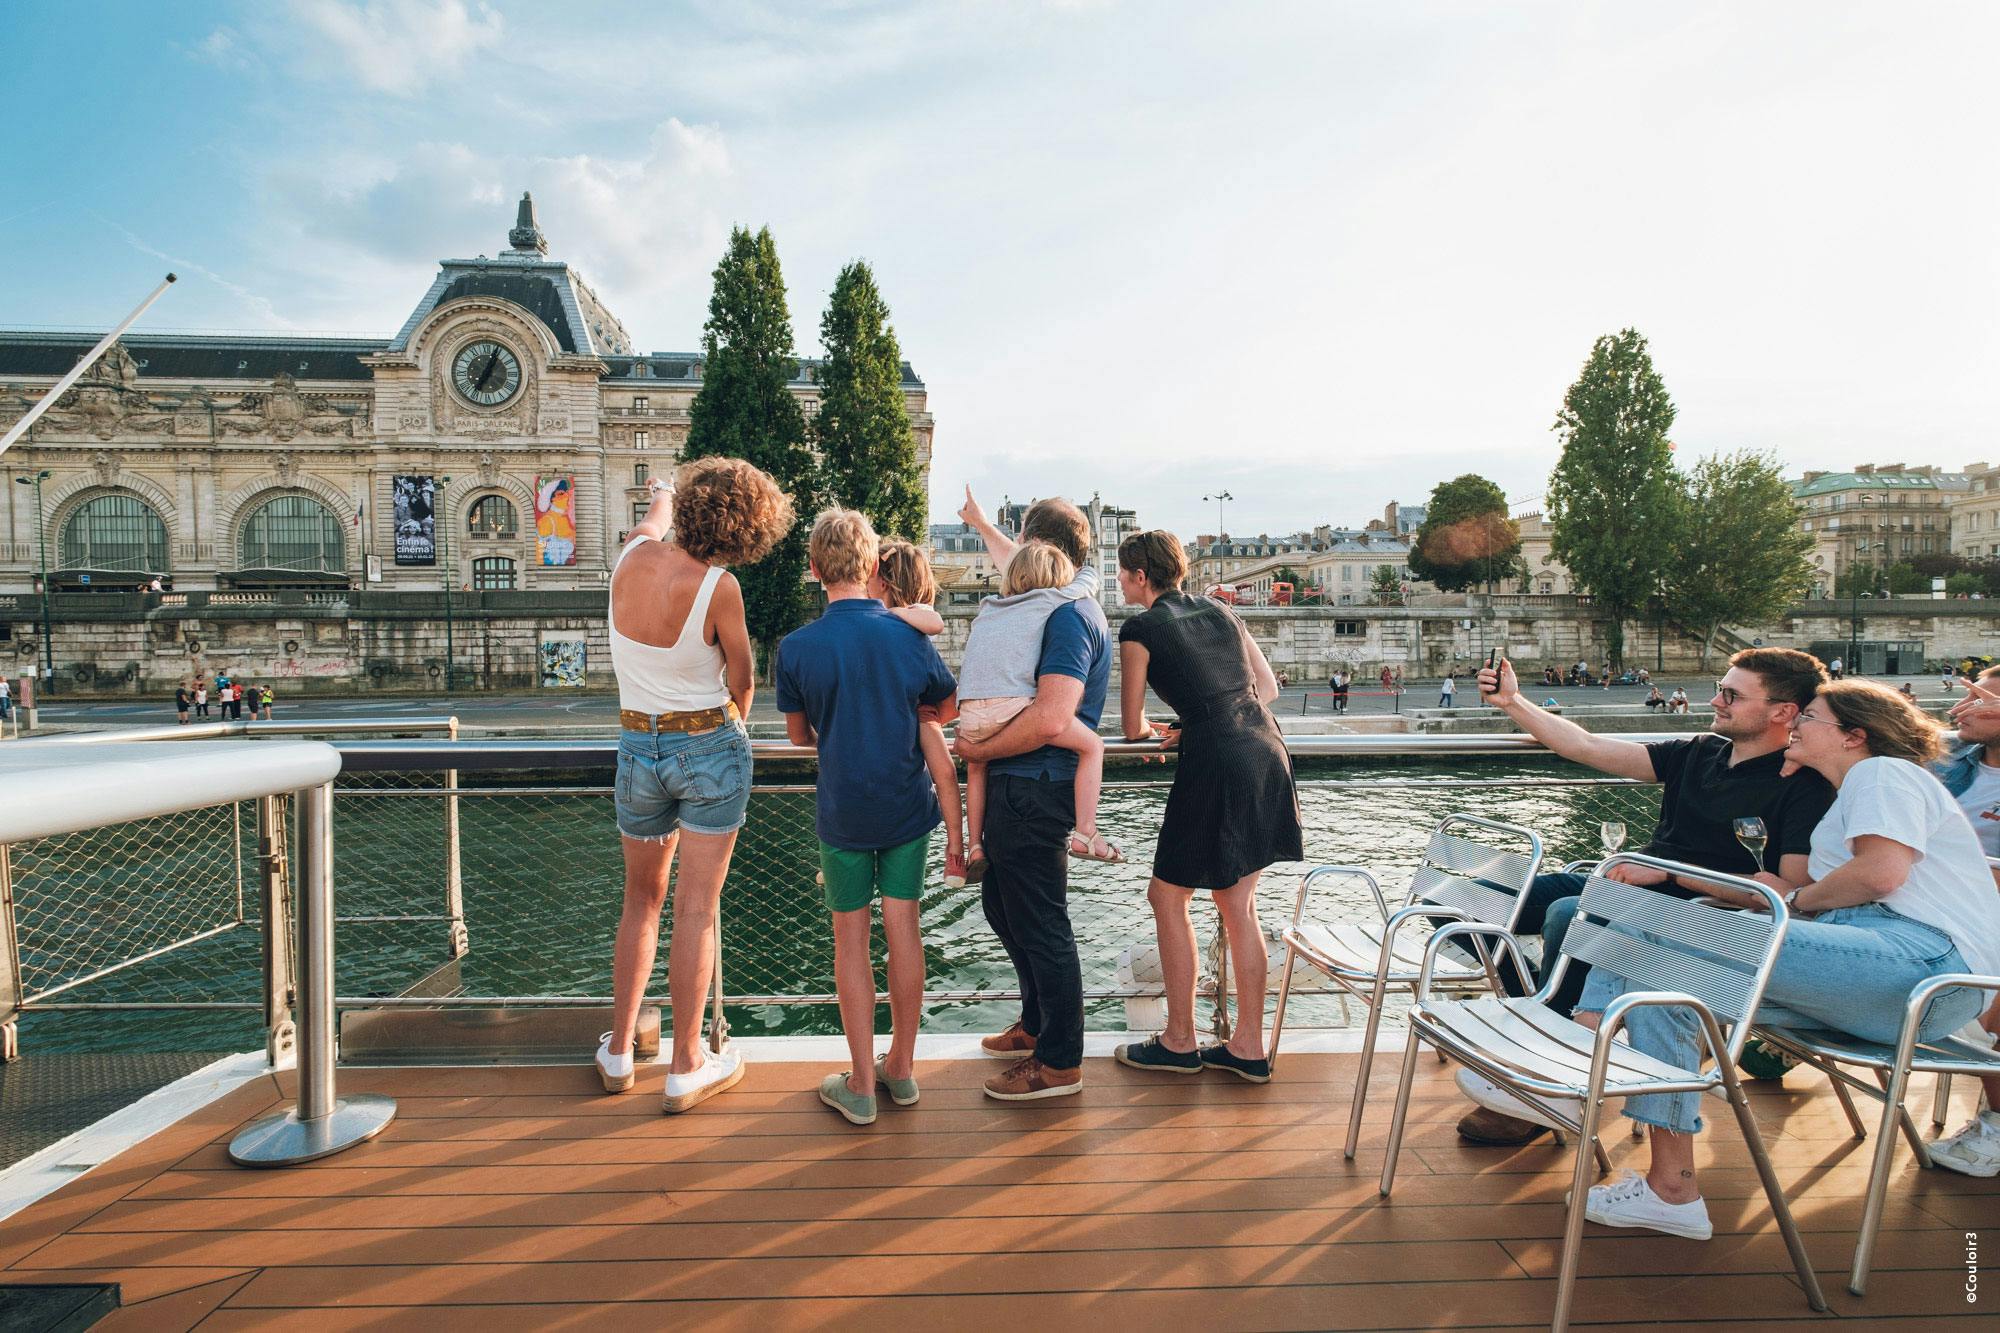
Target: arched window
(120, 532)
(294, 532)
(493, 516)
(492, 573)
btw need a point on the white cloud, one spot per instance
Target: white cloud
(399, 46)
(222, 49)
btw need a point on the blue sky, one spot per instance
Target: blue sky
(1322, 254)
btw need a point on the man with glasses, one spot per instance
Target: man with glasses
(1708, 782)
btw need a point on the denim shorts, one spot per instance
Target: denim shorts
(672, 780)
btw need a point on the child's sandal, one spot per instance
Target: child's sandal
(1095, 848)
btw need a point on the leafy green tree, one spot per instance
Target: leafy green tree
(1387, 589)
(863, 431)
(1904, 579)
(1612, 498)
(1739, 554)
(1964, 585)
(746, 410)
(1466, 539)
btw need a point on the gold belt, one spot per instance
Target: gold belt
(704, 719)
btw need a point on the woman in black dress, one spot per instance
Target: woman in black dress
(1233, 809)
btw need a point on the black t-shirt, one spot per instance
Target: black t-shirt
(182, 699)
(1704, 795)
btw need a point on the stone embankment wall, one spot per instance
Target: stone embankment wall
(357, 641)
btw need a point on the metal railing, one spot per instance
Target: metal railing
(510, 882)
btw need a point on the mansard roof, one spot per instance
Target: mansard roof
(686, 368)
(196, 356)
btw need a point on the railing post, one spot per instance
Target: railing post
(454, 884)
(280, 1032)
(10, 962)
(322, 1124)
(1221, 1025)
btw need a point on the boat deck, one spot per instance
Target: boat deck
(524, 1197)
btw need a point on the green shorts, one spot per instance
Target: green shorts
(854, 878)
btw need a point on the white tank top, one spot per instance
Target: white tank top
(681, 679)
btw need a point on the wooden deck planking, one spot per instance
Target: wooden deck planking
(524, 1198)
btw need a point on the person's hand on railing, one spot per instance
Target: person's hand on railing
(1168, 737)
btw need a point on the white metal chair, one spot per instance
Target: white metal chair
(1679, 953)
(1459, 879)
(1892, 1066)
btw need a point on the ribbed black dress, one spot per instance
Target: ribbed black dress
(1233, 808)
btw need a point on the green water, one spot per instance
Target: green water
(542, 881)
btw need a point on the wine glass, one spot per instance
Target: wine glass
(1612, 834)
(1753, 835)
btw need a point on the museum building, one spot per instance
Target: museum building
(501, 439)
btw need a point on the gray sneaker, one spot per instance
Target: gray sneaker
(859, 1110)
(902, 1091)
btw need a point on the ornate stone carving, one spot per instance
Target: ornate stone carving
(286, 466)
(106, 466)
(489, 470)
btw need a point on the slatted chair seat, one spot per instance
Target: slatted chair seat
(1465, 875)
(1670, 952)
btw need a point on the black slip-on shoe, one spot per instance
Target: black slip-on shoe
(1152, 1054)
(1221, 1057)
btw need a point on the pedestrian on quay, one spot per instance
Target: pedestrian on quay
(1233, 809)
(855, 684)
(7, 701)
(1834, 668)
(1346, 683)
(1386, 679)
(253, 697)
(183, 700)
(1447, 689)
(270, 697)
(680, 649)
(200, 697)
(1031, 804)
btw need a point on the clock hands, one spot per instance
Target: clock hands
(491, 362)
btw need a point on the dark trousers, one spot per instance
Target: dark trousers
(233, 708)
(1026, 897)
(1537, 918)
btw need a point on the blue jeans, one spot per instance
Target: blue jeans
(1851, 970)
(670, 780)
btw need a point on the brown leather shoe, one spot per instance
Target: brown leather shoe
(1013, 1044)
(1493, 1130)
(1031, 1080)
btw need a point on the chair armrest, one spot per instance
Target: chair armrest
(1354, 872)
(1453, 931)
(1585, 867)
(1614, 1019)
(1913, 1008)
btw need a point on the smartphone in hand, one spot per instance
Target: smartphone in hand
(1492, 667)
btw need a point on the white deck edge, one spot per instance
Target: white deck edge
(34, 1178)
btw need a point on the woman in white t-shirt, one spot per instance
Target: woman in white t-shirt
(1899, 893)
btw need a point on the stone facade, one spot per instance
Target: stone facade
(195, 437)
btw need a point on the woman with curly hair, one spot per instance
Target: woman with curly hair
(681, 652)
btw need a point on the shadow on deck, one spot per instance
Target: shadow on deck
(518, 1198)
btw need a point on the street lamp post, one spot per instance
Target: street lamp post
(42, 541)
(1219, 498)
(1854, 603)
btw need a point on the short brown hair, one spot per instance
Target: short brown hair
(1035, 565)
(1789, 676)
(728, 512)
(905, 572)
(843, 546)
(1157, 555)
(1895, 726)
(1060, 524)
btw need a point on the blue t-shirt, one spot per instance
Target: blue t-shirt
(858, 674)
(1076, 643)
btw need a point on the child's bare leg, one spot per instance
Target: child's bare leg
(975, 803)
(944, 776)
(1089, 747)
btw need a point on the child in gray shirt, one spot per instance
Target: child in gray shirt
(997, 682)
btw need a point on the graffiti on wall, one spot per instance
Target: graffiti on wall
(563, 660)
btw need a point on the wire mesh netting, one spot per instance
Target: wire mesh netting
(542, 877)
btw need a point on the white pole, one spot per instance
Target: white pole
(49, 399)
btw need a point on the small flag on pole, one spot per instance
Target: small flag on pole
(357, 515)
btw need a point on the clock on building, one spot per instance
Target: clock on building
(486, 373)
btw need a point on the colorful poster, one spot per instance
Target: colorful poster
(563, 663)
(555, 520)
(416, 519)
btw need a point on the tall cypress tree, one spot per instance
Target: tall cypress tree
(863, 431)
(1613, 498)
(746, 410)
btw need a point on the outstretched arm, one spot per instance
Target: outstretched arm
(659, 519)
(1621, 759)
(998, 544)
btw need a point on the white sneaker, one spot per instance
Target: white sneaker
(615, 1070)
(1974, 1150)
(718, 1072)
(1497, 1099)
(1629, 1201)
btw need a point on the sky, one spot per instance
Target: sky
(1320, 255)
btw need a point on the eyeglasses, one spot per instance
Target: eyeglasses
(1808, 717)
(1732, 697)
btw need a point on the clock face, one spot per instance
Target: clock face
(486, 373)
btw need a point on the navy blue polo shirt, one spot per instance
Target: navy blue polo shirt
(858, 674)
(1076, 642)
